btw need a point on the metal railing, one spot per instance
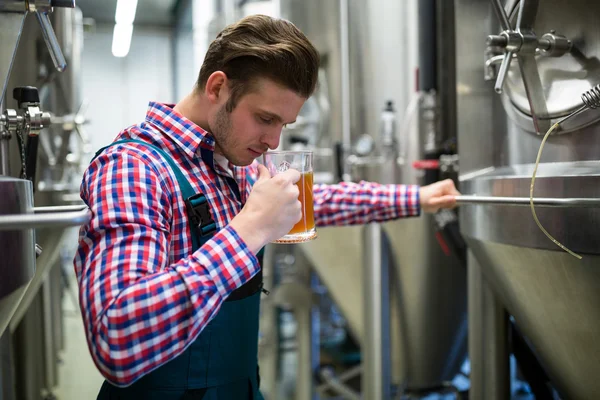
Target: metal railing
(47, 217)
(524, 201)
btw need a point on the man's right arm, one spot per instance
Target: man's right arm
(141, 308)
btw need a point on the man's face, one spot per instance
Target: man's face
(254, 126)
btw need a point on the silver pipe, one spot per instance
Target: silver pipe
(50, 220)
(51, 41)
(501, 13)
(57, 209)
(345, 76)
(4, 146)
(4, 156)
(376, 379)
(299, 296)
(304, 320)
(343, 377)
(315, 337)
(334, 383)
(48, 339)
(524, 201)
(488, 338)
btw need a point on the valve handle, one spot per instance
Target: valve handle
(525, 49)
(51, 41)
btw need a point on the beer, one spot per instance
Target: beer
(280, 161)
(307, 222)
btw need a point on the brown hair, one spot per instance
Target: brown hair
(259, 46)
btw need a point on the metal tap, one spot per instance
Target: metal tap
(523, 44)
(27, 122)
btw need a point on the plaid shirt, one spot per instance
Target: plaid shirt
(144, 295)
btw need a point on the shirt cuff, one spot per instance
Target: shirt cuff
(228, 260)
(407, 200)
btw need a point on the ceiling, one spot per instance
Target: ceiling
(149, 12)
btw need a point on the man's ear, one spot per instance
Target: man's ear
(216, 87)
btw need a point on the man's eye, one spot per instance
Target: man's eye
(266, 120)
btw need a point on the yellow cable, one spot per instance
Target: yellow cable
(537, 221)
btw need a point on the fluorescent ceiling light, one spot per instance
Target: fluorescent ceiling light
(124, 17)
(121, 39)
(125, 13)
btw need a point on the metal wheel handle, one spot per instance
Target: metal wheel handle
(523, 43)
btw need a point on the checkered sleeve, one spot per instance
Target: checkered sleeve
(139, 309)
(350, 203)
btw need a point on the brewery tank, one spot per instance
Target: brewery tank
(552, 295)
(35, 318)
(428, 287)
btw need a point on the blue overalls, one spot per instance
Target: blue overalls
(221, 364)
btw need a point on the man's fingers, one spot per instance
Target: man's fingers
(263, 172)
(292, 175)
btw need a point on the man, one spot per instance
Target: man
(168, 268)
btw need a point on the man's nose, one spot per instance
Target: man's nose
(272, 138)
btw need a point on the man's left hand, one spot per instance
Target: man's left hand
(438, 195)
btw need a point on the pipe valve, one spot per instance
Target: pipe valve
(523, 44)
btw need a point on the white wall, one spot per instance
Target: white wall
(119, 89)
(192, 37)
(183, 49)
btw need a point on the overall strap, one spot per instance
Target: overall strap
(202, 225)
(197, 205)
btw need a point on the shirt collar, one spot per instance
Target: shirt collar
(192, 139)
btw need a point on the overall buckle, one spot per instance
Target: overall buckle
(198, 211)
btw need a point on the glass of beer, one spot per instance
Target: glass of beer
(302, 161)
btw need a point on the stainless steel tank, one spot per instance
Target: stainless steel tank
(428, 295)
(17, 248)
(553, 296)
(60, 94)
(36, 321)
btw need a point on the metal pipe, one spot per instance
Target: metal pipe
(56, 209)
(488, 338)
(4, 145)
(304, 320)
(501, 13)
(345, 77)
(51, 41)
(343, 377)
(4, 155)
(314, 359)
(50, 220)
(376, 380)
(334, 383)
(524, 201)
(446, 69)
(50, 372)
(427, 45)
(300, 297)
